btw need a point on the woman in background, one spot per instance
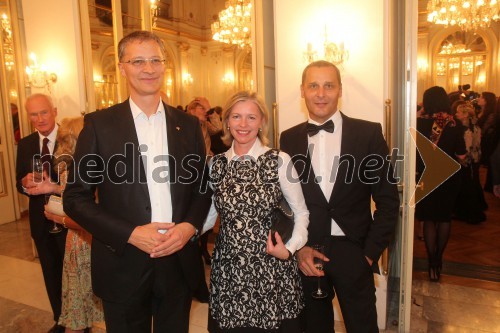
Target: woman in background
(436, 208)
(487, 120)
(470, 202)
(80, 307)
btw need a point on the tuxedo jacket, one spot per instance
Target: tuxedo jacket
(27, 148)
(364, 173)
(108, 163)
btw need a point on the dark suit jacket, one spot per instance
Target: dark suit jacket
(27, 148)
(108, 161)
(349, 204)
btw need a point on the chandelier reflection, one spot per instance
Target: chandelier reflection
(7, 42)
(467, 14)
(233, 26)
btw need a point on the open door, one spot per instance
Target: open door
(372, 43)
(10, 127)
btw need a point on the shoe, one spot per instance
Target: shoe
(433, 274)
(57, 329)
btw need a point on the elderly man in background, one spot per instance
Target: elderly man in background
(50, 246)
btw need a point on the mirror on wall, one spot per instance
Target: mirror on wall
(196, 65)
(9, 74)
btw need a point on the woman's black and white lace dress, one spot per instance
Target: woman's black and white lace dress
(248, 287)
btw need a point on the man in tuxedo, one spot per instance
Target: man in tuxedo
(50, 246)
(144, 161)
(342, 164)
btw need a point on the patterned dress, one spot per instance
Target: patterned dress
(80, 307)
(249, 288)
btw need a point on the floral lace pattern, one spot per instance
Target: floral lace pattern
(249, 288)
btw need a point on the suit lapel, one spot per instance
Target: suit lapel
(306, 168)
(125, 124)
(347, 146)
(174, 137)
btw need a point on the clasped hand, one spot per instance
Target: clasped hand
(149, 239)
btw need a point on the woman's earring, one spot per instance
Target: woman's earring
(260, 129)
(228, 128)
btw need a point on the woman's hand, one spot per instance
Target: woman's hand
(279, 250)
(53, 217)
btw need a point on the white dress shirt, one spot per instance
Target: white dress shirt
(292, 191)
(324, 148)
(52, 140)
(152, 135)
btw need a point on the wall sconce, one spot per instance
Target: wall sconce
(38, 76)
(332, 52)
(154, 12)
(187, 79)
(168, 83)
(228, 79)
(422, 65)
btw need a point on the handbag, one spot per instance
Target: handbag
(55, 205)
(282, 221)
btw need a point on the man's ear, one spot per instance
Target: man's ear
(122, 72)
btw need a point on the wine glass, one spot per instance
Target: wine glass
(37, 170)
(56, 228)
(318, 263)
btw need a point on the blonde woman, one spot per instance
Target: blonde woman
(254, 284)
(80, 307)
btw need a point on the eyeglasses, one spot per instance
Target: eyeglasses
(140, 62)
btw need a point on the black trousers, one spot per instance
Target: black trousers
(162, 295)
(50, 248)
(348, 277)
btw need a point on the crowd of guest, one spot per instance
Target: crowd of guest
(468, 131)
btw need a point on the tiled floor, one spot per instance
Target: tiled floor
(454, 305)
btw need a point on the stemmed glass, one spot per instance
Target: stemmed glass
(318, 263)
(37, 170)
(38, 177)
(56, 228)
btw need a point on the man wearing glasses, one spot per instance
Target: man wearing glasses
(145, 160)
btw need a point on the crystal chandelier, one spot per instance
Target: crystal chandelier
(467, 14)
(233, 26)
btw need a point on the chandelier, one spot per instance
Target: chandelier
(467, 14)
(233, 26)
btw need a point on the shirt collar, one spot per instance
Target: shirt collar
(136, 111)
(254, 152)
(336, 118)
(52, 136)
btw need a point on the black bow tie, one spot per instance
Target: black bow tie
(314, 129)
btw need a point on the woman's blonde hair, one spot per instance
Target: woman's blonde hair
(67, 135)
(243, 96)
